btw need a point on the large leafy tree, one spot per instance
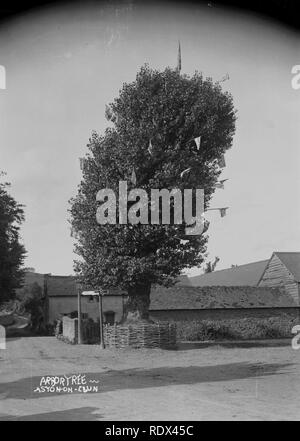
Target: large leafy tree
(12, 252)
(169, 110)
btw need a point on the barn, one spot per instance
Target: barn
(283, 269)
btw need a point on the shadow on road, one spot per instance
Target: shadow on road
(143, 378)
(80, 414)
(272, 343)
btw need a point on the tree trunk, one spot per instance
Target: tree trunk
(137, 305)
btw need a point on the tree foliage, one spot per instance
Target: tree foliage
(12, 252)
(170, 110)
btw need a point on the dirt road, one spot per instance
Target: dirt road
(191, 383)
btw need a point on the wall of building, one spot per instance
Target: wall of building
(60, 305)
(224, 314)
(276, 274)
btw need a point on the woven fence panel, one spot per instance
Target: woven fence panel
(143, 335)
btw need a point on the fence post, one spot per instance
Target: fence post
(79, 317)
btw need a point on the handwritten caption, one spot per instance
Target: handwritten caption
(67, 384)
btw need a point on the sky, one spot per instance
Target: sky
(64, 63)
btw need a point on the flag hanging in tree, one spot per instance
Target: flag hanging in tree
(220, 184)
(223, 211)
(133, 177)
(150, 148)
(108, 112)
(81, 162)
(225, 78)
(221, 161)
(198, 142)
(184, 172)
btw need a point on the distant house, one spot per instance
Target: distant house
(60, 298)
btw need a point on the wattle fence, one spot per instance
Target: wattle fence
(142, 335)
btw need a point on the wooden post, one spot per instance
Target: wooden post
(101, 321)
(79, 317)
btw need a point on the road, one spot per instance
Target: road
(191, 383)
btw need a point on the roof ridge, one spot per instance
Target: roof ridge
(286, 252)
(231, 268)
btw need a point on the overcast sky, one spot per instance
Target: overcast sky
(64, 64)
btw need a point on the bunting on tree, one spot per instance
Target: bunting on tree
(150, 148)
(221, 161)
(198, 142)
(225, 78)
(81, 162)
(108, 112)
(133, 177)
(184, 172)
(220, 184)
(223, 211)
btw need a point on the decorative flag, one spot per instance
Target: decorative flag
(179, 58)
(184, 172)
(150, 148)
(133, 177)
(221, 161)
(225, 78)
(198, 142)
(223, 211)
(220, 184)
(81, 162)
(108, 112)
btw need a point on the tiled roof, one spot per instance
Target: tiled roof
(242, 275)
(291, 262)
(180, 297)
(65, 286)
